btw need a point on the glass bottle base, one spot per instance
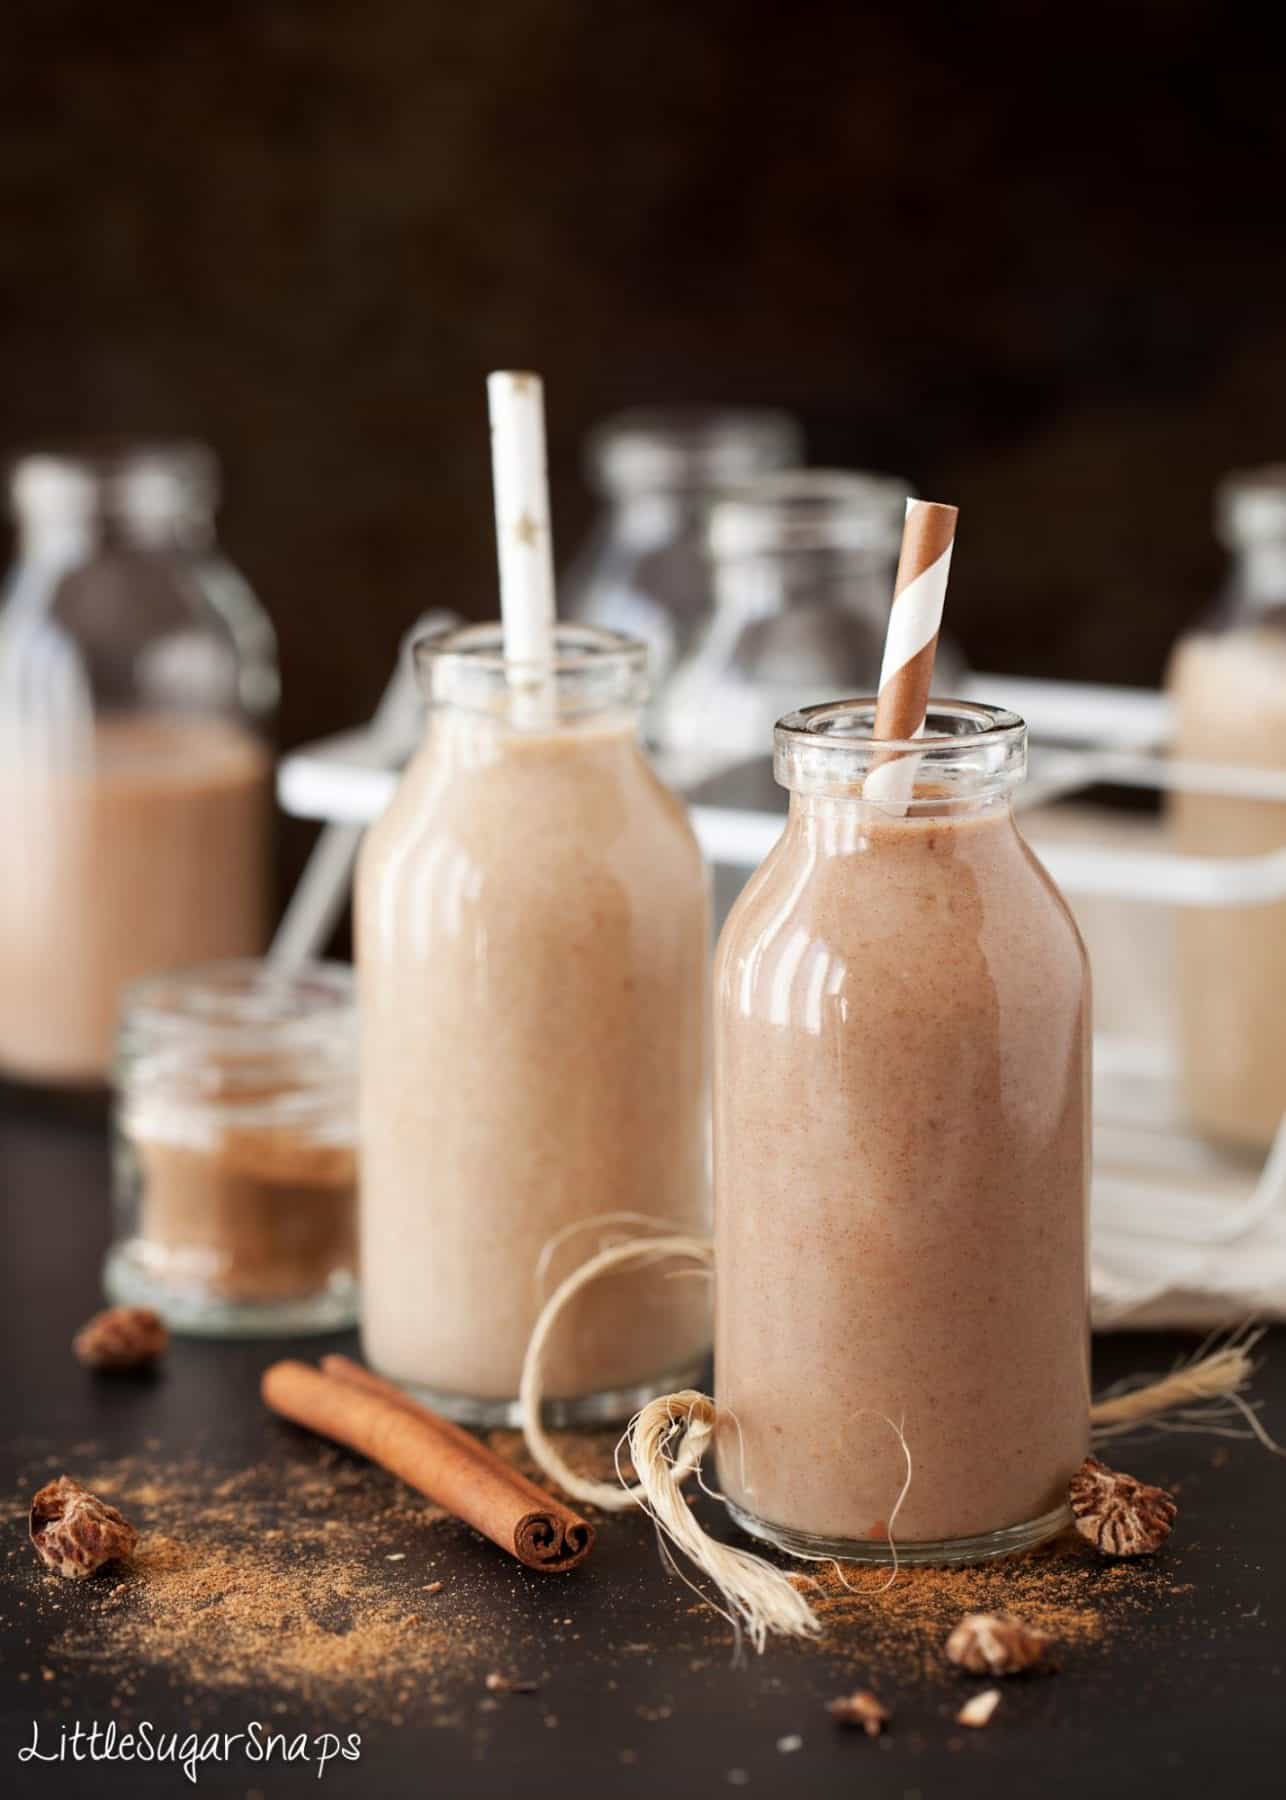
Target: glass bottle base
(943, 1551)
(610, 1406)
(333, 1308)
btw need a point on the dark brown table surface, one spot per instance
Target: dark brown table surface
(1196, 1701)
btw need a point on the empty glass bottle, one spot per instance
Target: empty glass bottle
(644, 569)
(803, 566)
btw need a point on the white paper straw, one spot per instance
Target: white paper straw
(523, 540)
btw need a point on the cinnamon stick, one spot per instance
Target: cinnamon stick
(343, 1368)
(351, 1406)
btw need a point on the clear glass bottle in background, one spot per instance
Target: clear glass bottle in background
(644, 569)
(532, 933)
(138, 678)
(235, 1166)
(901, 1158)
(803, 566)
(1227, 683)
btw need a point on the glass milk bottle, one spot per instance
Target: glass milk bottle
(802, 565)
(1227, 683)
(531, 934)
(656, 469)
(138, 675)
(901, 1159)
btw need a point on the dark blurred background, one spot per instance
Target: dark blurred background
(1030, 257)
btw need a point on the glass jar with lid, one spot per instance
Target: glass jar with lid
(803, 565)
(644, 570)
(236, 1152)
(1227, 684)
(138, 678)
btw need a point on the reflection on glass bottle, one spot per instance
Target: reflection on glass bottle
(644, 570)
(803, 567)
(1227, 682)
(531, 932)
(137, 675)
(901, 1126)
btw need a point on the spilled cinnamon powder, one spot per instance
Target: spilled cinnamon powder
(294, 1579)
(317, 1576)
(591, 1454)
(1064, 1588)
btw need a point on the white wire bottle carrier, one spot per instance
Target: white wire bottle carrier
(1082, 736)
(1182, 1233)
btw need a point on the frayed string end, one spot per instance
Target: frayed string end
(668, 1441)
(1206, 1394)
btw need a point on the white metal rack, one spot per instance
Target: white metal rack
(1082, 736)
(1182, 1234)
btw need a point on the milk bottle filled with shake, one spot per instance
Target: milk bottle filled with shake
(1227, 683)
(531, 931)
(137, 677)
(901, 1137)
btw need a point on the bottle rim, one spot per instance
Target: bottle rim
(967, 750)
(243, 1003)
(241, 1042)
(576, 648)
(592, 670)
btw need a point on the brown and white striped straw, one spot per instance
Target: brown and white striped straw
(910, 646)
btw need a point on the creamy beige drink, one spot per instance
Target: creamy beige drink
(901, 1159)
(147, 851)
(1229, 696)
(532, 946)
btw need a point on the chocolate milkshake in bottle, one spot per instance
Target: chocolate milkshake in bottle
(901, 1158)
(1227, 683)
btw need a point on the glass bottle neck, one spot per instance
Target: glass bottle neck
(465, 738)
(142, 500)
(830, 826)
(766, 585)
(593, 681)
(648, 520)
(688, 452)
(965, 762)
(1259, 576)
(76, 539)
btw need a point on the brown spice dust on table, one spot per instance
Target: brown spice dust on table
(590, 1454)
(274, 1579)
(281, 1579)
(1063, 1588)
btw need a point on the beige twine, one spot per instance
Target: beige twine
(669, 1438)
(667, 1442)
(1205, 1394)
(635, 1253)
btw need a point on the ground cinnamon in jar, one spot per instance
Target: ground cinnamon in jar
(261, 1216)
(236, 1167)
